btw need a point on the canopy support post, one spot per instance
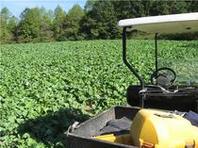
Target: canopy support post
(156, 52)
(130, 67)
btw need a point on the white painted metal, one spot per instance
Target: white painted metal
(174, 23)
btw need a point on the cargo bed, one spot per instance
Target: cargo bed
(82, 135)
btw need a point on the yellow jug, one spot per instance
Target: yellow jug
(161, 129)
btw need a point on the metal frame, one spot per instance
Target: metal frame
(156, 53)
(132, 68)
(124, 58)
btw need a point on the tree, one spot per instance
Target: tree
(71, 23)
(100, 21)
(46, 33)
(160, 8)
(29, 26)
(178, 7)
(59, 15)
(147, 5)
(129, 8)
(193, 6)
(12, 26)
(35, 25)
(7, 25)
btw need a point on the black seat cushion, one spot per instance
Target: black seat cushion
(156, 98)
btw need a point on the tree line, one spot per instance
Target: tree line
(97, 20)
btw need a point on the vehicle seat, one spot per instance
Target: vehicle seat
(156, 98)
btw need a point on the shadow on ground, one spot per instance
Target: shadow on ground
(50, 129)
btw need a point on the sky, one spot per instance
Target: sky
(17, 6)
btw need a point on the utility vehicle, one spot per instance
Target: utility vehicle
(164, 93)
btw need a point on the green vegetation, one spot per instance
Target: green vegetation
(44, 87)
(98, 20)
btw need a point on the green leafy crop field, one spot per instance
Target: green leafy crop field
(45, 87)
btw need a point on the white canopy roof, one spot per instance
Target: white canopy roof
(175, 23)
